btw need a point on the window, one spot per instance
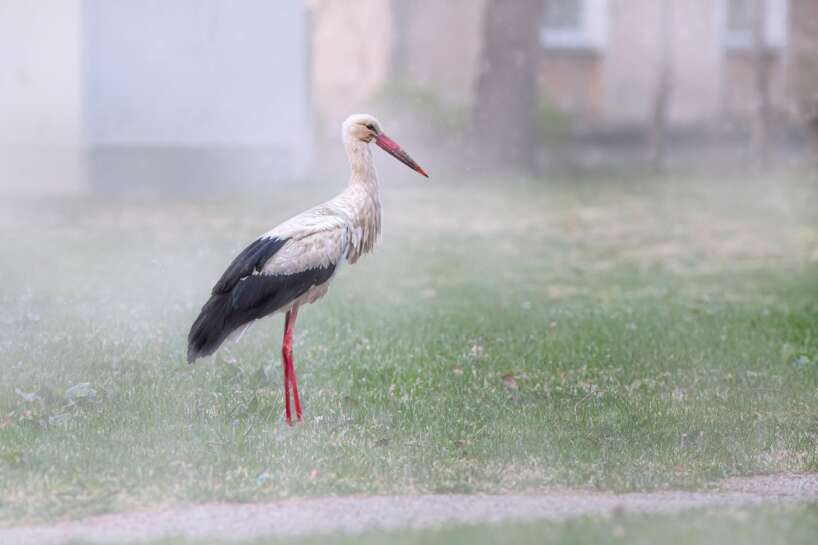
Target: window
(563, 15)
(739, 16)
(574, 24)
(738, 22)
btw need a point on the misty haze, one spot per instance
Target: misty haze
(474, 271)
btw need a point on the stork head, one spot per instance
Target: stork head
(365, 128)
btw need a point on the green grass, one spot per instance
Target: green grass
(507, 335)
(749, 526)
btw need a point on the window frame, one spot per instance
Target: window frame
(590, 34)
(776, 28)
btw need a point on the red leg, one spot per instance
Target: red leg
(287, 352)
(291, 370)
(285, 365)
(294, 384)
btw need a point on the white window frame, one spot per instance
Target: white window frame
(591, 33)
(776, 27)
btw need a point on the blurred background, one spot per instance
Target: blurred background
(610, 280)
(198, 95)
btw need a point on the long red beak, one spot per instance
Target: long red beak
(392, 148)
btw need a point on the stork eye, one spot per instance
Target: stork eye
(370, 126)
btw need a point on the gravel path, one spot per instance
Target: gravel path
(357, 514)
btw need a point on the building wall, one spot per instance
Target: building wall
(739, 87)
(740, 94)
(574, 82)
(40, 97)
(615, 84)
(697, 62)
(802, 59)
(708, 81)
(631, 60)
(192, 94)
(445, 42)
(351, 53)
(634, 60)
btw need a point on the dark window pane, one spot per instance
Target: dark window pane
(562, 14)
(739, 15)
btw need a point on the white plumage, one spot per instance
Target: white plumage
(294, 263)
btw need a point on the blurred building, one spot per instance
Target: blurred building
(151, 95)
(40, 96)
(359, 45)
(194, 94)
(616, 49)
(199, 94)
(601, 61)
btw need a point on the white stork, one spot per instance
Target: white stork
(293, 263)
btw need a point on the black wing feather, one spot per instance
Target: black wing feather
(250, 260)
(250, 298)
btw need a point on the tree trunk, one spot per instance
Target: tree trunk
(664, 87)
(401, 14)
(804, 64)
(506, 98)
(761, 71)
(812, 128)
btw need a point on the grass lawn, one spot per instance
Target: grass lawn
(794, 525)
(507, 335)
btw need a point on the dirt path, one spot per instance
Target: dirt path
(356, 514)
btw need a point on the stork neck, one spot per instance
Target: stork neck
(361, 164)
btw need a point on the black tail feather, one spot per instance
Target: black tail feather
(219, 317)
(253, 297)
(210, 329)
